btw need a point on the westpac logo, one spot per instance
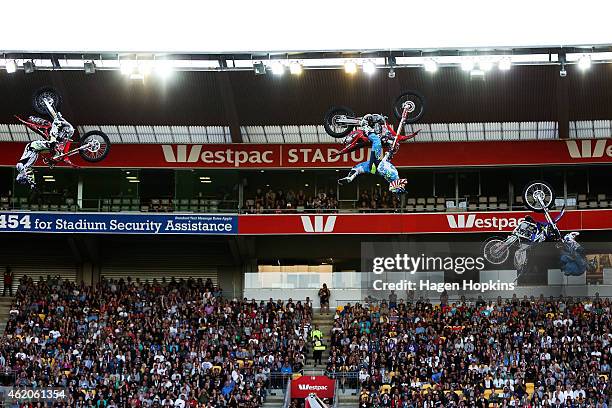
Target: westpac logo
(461, 221)
(228, 156)
(308, 387)
(321, 223)
(587, 149)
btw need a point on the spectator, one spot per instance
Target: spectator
(324, 295)
(8, 281)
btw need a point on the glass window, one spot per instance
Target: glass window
(576, 180)
(494, 182)
(445, 184)
(468, 184)
(599, 181)
(420, 183)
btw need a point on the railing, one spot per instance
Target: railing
(53, 203)
(287, 401)
(345, 380)
(280, 380)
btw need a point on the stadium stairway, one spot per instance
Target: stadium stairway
(275, 400)
(5, 308)
(325, 323)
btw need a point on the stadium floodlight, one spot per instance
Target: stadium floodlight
(467, 64)
(477, 74)
(164, 68)
(350, 67)
(584, 62)
(295, 68)
(369, 67)
(505, 64)
(430, 65)
(127, 67)
(485, 65)
(90, 67)
(11, 66)
(29, 66)
(278, 68)
(259, 68)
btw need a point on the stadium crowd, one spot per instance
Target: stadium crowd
(515, 353)
(282, 202)
(159, 344)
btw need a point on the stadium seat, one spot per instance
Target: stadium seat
(510, 130)
(475, 131)
(602, 128)
(180, 134)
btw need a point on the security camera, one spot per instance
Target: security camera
(391, 73)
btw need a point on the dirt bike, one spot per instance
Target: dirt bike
(341, 122)
(93, 146)
(538, 196)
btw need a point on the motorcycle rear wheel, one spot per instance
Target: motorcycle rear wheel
(334, 129)
(98, 139)
(495, 251)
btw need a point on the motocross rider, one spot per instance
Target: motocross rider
(374, 126)
(61, 131)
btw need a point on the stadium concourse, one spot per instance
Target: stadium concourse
(212, 258)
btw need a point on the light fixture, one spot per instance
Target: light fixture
(350, 67)
(369, 67)
(467, 64)
(164, 68)
(205, 178)
(505, 64)
(11, 66)
(29, 66)
(206, 181)
(47, 176)
(306, 185)
(584, 62)
(278, 68)
(430, 65)
(477, 73)
(127, 66)
(134, 181)
(259, 68)
(302, 170)
(261, 171)
(391, 73)
(485, 65)
(295, 68)
(131, 177)
(51, 180)
(90, 67)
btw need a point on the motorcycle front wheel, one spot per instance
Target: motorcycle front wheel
(98, 146)
(411, 100)
(539, 196)
(46, 93)
(332, 118)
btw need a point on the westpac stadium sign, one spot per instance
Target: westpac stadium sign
(119, 223)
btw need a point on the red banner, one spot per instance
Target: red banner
(444, 154)
(321, 385)
(424, 223)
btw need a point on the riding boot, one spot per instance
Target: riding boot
(351, 176)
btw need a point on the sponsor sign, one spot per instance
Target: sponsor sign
(104, 223)
(422, 223)
(434, 154)
(321, 385)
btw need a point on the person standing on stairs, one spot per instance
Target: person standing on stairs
(317, 352)
(324, 295)
(8, 281)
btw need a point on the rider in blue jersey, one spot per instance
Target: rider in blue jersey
(379, 162)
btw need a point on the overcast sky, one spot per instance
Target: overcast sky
(285, 25)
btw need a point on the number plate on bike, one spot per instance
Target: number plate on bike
(526, 230)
